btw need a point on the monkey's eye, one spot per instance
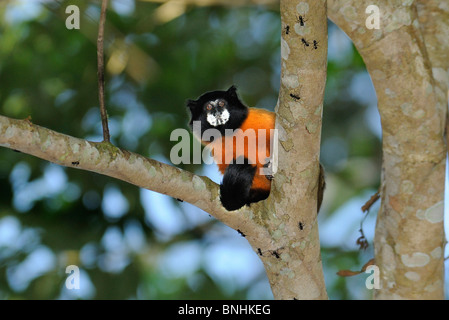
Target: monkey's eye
(221, 103)
(209, 106)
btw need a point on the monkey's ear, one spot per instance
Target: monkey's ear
(232, 91)
(191, 103)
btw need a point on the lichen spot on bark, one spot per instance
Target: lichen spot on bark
(302, 30)
(285, 49)
(302, 7)
(198, 184)
(416, 259)
(291, 81)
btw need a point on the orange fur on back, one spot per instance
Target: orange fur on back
(257, 151)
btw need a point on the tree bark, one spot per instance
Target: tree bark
(409, 240)
(434, 24)
(292, 219)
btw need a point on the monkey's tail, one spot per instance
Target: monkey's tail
(236, 185)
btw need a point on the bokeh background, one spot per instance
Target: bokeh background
(131, 243)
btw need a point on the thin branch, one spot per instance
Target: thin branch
(362, 242)
(350, 273)
(100, 72)
(370, 202)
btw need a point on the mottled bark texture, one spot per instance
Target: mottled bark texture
(433, 18)
(295, 270)
(405, 59)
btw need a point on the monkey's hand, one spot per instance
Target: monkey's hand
(268, 169)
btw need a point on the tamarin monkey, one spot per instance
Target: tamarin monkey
(244, 179)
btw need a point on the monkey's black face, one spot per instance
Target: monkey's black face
(218, 109)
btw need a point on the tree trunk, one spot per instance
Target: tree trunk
(297, 273)
(409, 240)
